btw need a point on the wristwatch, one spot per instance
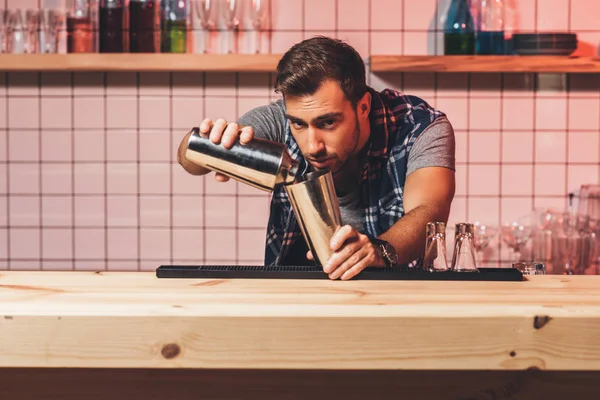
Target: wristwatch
(387, 251)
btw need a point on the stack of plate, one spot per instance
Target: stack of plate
(544, 44)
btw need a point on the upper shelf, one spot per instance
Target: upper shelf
(561, 64)
(139, 62)
(158, 62)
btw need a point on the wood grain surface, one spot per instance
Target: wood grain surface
(382, 63)
(140, 62)
(135, 320)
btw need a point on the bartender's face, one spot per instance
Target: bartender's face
(326, 126)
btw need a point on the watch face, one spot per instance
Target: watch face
(391, 253)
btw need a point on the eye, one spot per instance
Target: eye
(328, 124)
(297, 125)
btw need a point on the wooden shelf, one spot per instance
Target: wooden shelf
(560, 64)
(140, 62)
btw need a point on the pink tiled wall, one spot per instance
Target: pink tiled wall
(88, 178)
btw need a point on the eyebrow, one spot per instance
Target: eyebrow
(317, 119)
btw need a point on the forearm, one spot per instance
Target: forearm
(407, 235)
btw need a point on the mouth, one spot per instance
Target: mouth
(321, 163)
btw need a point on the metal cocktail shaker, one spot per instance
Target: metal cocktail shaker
(261, 163)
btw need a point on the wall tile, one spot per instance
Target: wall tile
(551, 113)
(484, 113)
(553, 15)
(483, 209)
(517, 147)
(286, 15)
(258, 217)
(24, 211)
(122, 211)
(155, 112)
(89, 84)
(380, 15)
(578, 175)
(89, 112)
(583, 147)
(57, 145)
(517, 180)
(24, 243)
(90, 211)
(57, 178)
(484, 179)
(461, 180)
(188, 244)
(155, 243)
(550, 180)
(23, 84)
(188, 84)
(188, 112)
(3, 248)
(252, 244)
(484, 147)
(420, 15)
(24, 178)
(219, 244)
(23, 112)
(121, 145)
(57, 243)
(155, 145)
(550, 147)
(154, 84)
(517, 113)
(122, 112)
(387, 43)
(584, 114)
(417, 44)
(282, 41)
(188, 211)
(89, 178)
(23, 145)
(353, 14)
(358, 40)
(121, 178)
(122, 243)
(155, 211)
(57, 211)
(220, 212)
(155, 178)
(320, 14)
(185, 183)
(56, 84)
(220, 84)
(89, 145)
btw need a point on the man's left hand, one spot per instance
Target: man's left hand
(353, 252)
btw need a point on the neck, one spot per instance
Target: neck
(349, 176)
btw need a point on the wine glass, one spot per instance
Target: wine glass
(516, 234)
(207, 12)
(483, 235)
(258, 14)
(229, 11)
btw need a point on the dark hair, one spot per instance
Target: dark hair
(307, 64)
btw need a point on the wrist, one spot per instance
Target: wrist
(386, 255)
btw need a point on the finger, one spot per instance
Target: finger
(246, 135)
(230, 135)
(217, 130)
(221, 178)
(359, 266)
(340, 236)
(349, 263)
(206, 126)
(309, 255)
(340, 256)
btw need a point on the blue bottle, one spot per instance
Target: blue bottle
(490, 32)
(459, 29)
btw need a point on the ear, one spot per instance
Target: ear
(363, 108)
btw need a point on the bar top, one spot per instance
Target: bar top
(135, 320)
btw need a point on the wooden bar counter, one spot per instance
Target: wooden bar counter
(129, 335)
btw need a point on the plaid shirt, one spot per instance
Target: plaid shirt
(396, 122)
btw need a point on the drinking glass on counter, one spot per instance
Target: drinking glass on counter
(435, 247)
(463, 258)
(483, 235)
(515, 235)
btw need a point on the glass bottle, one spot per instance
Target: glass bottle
(144, 26)
(114, 26)
(490, 32)
(80, 27)
(459, 29)
(174, 26)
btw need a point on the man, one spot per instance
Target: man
(391, 157)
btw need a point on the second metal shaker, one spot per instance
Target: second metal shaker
(261, 163)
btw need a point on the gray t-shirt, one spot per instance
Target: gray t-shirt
(435, 147)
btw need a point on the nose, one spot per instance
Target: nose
(315, 143)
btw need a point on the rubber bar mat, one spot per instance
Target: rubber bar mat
(314, 272)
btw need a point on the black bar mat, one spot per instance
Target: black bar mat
(314, 272)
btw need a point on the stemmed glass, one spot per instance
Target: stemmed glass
(229, 10)
(516, 234)
(484, 234)
(207, 12)
(258, 14)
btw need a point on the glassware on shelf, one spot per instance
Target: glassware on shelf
(483, 234)
(174, 26)
(230, 13)
(22, 33)
(435, 259)
(80, 27)
(51, 22)
(144, 26)
(207, 12)
(4, 30)
(114, 26)
(490, 28)
(459, 29)
(258, 10)
(463, 258)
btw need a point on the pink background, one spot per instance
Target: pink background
(88, 178)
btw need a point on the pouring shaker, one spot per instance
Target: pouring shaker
(261, 163)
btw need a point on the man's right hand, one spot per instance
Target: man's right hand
(218, 132)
